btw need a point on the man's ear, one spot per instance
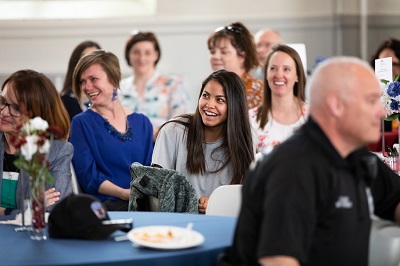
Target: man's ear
(334, 105)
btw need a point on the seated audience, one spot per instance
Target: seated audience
(160, 97)
(107, 137)
(232, 48)
(265, 39)
(283, 109)
(213, 146)
(311, 200)
(67, 96)
(27, 92)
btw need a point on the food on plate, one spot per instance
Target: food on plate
(157, 236)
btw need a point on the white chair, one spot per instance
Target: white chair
(74, 181)
(384, 243)
(225, 201)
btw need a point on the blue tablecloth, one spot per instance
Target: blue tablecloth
(16, 248)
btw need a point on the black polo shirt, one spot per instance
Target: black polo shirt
(305, 201)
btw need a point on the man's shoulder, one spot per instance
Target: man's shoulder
(298, 145)
(298, 155)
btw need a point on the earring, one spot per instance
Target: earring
(115, 93)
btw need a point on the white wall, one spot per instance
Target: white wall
(183, 27)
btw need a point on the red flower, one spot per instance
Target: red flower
(55, 130)
(18, 141)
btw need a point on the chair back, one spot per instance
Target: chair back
(225, 201)
(74, 181)
(384, 243)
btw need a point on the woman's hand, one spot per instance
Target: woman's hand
(126, 193)
(108, 188)
(203, 201)
(51, 196)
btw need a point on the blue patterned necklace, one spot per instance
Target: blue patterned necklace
(127, 136)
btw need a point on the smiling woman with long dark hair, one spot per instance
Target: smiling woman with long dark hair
(213, 146)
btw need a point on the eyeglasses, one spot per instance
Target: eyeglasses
(230, 28)
(13, 108)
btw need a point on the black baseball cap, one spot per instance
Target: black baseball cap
(83, 216)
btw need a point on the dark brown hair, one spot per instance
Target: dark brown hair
(141, 37)
(392, 44)
(75, 56)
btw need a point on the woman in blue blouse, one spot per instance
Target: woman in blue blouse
(107, 137)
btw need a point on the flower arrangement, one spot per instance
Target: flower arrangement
(391, 98)
(33, 140)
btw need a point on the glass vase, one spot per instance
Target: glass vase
(38, 208)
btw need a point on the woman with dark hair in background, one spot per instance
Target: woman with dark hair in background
(213, 146)
(389, 48)
(159, 97)
(67, 96)
(232, 48)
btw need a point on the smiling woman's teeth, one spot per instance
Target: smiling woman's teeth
(210, 114)
(279, 83)
(94, 94)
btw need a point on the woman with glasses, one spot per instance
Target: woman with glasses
(232, 48)
(28, 94)
(159, 97)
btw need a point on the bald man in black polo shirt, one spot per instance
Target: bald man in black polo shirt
(310, 201)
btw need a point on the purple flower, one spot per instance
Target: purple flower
(394, 89)
(394, 105)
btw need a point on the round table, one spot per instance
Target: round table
(18, 249)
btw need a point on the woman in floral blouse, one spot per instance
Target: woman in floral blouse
(146, 91)
(232, 48)
(283, 110)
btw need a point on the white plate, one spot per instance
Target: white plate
(165, 237)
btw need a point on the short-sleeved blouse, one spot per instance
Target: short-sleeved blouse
(274, 132)
(164, 98)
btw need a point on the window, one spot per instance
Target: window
(75, 9)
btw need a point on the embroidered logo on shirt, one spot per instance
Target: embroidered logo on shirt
(344, 202)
